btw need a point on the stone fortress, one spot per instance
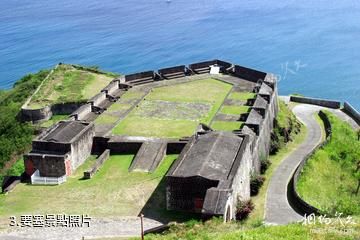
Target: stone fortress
(213, 170)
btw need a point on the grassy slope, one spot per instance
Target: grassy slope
(213, 92)
(113, 191)
(15, 137)
(68, 84)
(327, 181)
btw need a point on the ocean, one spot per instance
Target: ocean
(314, 48)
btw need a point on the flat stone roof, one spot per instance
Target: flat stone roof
(64, 131)
(210, 155)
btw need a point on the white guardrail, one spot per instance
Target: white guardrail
(37, 179)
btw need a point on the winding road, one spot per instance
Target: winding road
(277, 207)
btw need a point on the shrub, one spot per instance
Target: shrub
(243, 209)
(264, 164)
(256, 182)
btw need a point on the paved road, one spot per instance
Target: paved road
(99, 228)
(277, 208)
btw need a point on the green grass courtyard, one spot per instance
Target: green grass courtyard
(176, 110)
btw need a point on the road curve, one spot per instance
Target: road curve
(277, 207)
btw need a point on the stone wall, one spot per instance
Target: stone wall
(98, 163)
(81, 146)
(111, 87)
(82, 112)
(297, 203)
(261, 143)
(352, 112)
(175, 147)
(48, 164)
(172, 70)
(241, 180)
(140, 75)
(97, 99)
(124, 147)
(249, 74)
(36, 115)
(316, 101)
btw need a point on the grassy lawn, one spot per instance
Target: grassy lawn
(69, 84)
(241, 95)
(174, 111)
(113, 191)
(327, 181)
(226, 125)
(54, 119)
(234, 110)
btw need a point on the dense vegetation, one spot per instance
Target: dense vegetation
(15, 137)
(286, 126)
(330, 178)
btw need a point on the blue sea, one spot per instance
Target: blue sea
(314, 48)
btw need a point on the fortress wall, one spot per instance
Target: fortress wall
(45, 113)
(140, 75)
(47, 164)
(352, 112)
(124, 147)
(175, 147)
(80, 113)
(36, 115)
(249, 74)
(241, 180)
(81, 146)
(99, 162)
(100, 144)
(316, 101)
(65, 108)
(170, 70)
(97, 99)
(223, 65)
(38, 145)
(261, 147)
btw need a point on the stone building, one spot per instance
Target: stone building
(211, 173)
(60, 150)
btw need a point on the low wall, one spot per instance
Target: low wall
(248, 73)
(65, 108)
(36, 115)
(316, 101)
(9, 183)
(124, 147)
(352, 112)
(223, 65)
(170, 70)
(45, 113)
(298, 204)
(100, 144)
(99, 162)
(140, 75)
(175, 147)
